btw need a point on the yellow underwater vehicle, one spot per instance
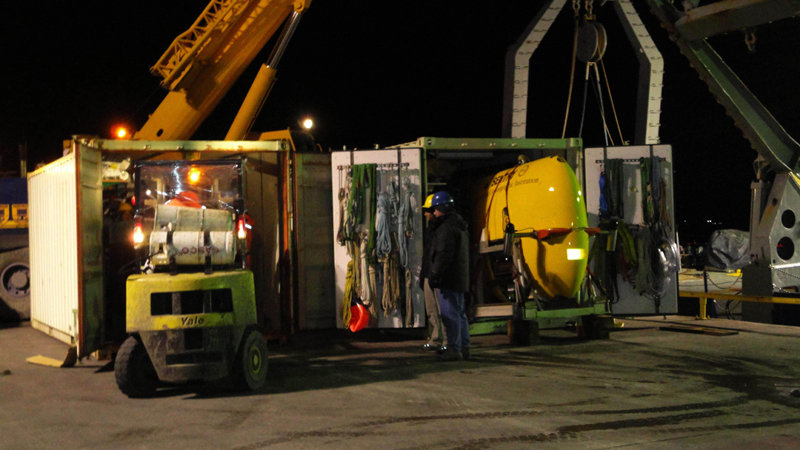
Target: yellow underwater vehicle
(534, 247)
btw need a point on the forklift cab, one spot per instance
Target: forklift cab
(190, 313)
(190, 214)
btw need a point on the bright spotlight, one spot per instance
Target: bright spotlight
(308, 123)
(121, 132)
(575, 254)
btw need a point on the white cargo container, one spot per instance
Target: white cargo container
(66, 248)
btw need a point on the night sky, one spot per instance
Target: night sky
(384, 73)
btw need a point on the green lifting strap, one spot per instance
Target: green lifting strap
(362, 201)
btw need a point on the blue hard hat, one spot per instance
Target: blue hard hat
(441, 198)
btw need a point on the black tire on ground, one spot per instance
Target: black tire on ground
(597, 327)
(250, 366)
(134, 371)
(524, 332)
(15, 285)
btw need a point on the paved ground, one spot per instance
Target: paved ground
(646, 387)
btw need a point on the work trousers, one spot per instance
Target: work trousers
(436, 332)
(454, 317)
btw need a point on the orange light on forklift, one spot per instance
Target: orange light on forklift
(240, 228)
(138, 235)
(194, 175)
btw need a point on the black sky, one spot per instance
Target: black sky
(384, 73)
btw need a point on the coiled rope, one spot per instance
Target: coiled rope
(383, 239)
(366, 290)
(390, 299)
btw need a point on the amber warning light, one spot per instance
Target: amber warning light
(138, 235)
(240, 231)
(194, 175)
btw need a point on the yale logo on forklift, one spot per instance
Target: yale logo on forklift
(187, 321)
(192, 321)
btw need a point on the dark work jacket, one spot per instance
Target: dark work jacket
(449, 253)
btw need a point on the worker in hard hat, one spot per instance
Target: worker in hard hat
(449, 272)
(125, 211)
(435, 333)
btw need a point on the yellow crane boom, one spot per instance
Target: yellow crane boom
(202, 63)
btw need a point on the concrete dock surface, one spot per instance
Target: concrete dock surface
(658, 382)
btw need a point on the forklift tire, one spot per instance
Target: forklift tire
(250, 366)
(134, 371)
(524, 332)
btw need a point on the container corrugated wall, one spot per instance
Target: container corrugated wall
(53, 253)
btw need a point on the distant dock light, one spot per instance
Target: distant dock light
(120, 132)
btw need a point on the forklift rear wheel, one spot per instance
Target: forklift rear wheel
(251, 363)
(134, 371)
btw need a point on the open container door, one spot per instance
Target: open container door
(397, 173)
(66, 255)
(654, 291)
(315, 306)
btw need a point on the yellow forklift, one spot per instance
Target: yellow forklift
(190, 312)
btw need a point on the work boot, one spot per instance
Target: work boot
(449, 354)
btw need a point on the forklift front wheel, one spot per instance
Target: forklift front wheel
(251, 363)
(134, 371)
